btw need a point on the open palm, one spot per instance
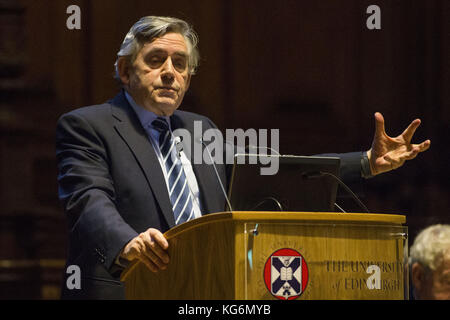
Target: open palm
(389, 153)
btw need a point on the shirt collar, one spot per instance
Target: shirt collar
(145, 116)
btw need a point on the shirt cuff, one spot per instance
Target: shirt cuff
(365, 166)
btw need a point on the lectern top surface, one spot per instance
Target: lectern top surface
(291, 217)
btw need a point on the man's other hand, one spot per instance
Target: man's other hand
(150, 247)
(389, 153)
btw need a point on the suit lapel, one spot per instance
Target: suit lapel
(130, 129)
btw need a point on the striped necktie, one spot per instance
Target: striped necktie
(179, 191)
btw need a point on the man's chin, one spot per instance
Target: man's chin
(162, 106)
(166, 109)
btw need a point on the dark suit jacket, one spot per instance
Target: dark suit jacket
(112, 188)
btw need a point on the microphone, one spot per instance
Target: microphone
(217, 174)
(178, 145)
(319, 174)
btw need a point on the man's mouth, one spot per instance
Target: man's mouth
(168, 92)
(167, 89)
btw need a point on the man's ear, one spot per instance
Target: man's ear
(417, 275)
(123, 70)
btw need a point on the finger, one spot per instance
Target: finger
(148, 263)
(416, 149)
(160, 244)
(411, 154)
(409, 132)
(141, 252)
(154, 247)
(137, 251)
(151, 256)
(379, 124)
(159, 238)
(424, 146)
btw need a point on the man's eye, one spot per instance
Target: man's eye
(156, 62)
(180, 65)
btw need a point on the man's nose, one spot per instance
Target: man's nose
(167, 70)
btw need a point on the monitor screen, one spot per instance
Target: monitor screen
(297, 185)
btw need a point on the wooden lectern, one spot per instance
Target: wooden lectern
(280, 255)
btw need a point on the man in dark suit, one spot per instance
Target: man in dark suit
(117, 161)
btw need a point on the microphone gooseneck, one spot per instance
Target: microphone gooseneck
(339, 207)
(217, 174)
(319, 174)
(280, 207)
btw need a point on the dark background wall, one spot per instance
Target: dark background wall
(310, 68)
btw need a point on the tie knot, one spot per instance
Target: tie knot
(160, 124)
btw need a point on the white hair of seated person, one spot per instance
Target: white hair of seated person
(430, 263)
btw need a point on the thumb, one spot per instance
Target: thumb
(379, 124)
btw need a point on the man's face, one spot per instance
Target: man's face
(159, 77)
(434, 285)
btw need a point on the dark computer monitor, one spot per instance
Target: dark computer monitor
(297, 186)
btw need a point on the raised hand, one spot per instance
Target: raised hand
(389, 153)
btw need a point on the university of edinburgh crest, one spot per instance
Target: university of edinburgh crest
(286, 274)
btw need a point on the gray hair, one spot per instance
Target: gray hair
(431, 246)
(150, 27)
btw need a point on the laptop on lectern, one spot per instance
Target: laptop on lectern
(297, 185)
